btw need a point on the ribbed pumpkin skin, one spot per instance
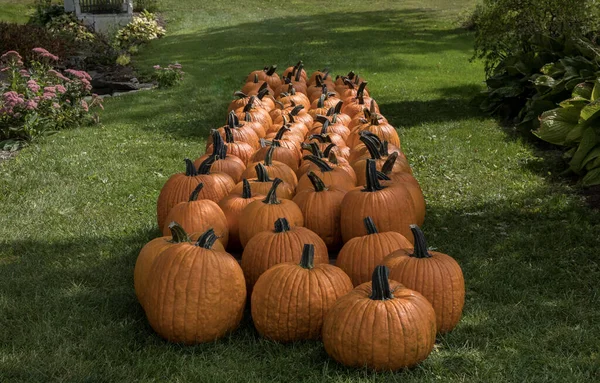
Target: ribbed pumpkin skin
(380, 334)
(258, 216)
(413, 187)
(276, 170)
(284, 191)
(199, 216)
(307, 294)
(359, 256)
(144, 262)
(231, 165)
(177, 189)
(439, 279)
(232, 207)
(268, 248)
(337, 177)
(197, 295)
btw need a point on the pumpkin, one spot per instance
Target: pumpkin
(297, 114)
(268, 74)
(279, 243)
(435, 275)
(243, 99)
(381, 325)
(287, 138)
(197, 293)
(308, 291)
(330, 175)
(292, 97)
(296, 79)
(360, 151)
(330, 97)
(275, 169)
(179, 187)
(287, 155)
(318, 108)
(254, 86)
(260, 215)
(294, 70)
(324, 139)
(340, 81)
(321, 207)
(379, 155)
(232, 206)
(255, 114)
(244, 132)
(391, 208)
(361, 118)
(352, 91)
(262, 184)
(240, 149)
(199, 215)
(337, 161)
(230, 165)
(383, 130)
(336, 113)
(355, 105)
(323, 124)
(361, 254)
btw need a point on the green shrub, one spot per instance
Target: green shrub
(123, 59)
(141, 29)
(148, 5)
(45, 11)
(67, 25)
(168, 76)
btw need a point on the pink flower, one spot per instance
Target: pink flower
(33, 86)
(85, 106)
(80, 74)
(61, 89)
(86, 84)
(56, 105)
(48, 96)
(43, 53)
(12, 57)
(39, 51)
(24, 73)
(17, 115)
(31, 105)
(58, 75)
(12, 99)
(156, 67)
(50, 89)
(175, 66)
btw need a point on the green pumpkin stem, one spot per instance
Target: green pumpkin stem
(190, 169)
(420, 250)
(322, 165)
(328, 150)
(308, 257)
(296, 110)
(375, 138)
(262, 93)
(338, 107)
(197, 190)
(349, 83)
(372, 147)
(320, 118)
(370, 226)
(204, 167)
(281, 131)
(247, 118)
(271, 70)
(318, 81)
(231, 120)
(388, 165)
(269, 156)
(229, 135)
(351, 75)
(246, 189)
(325, 127)
(317, 183)
(321, 102)
(299, 72)
(361, 89)
(384, 149)
(240, 94)
(380, 284)
(282, 225)
(178, 234)
(373, 184)
(332, 157)
(382, 176)
(255, 78)
(250, 105)
(261, 173)
(271, 198)
(218, 143)
(207, 239)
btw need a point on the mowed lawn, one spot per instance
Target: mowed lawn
(77, 206)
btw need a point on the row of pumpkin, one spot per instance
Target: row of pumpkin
(279, 181)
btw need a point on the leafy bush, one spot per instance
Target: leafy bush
(123, 59)
(45, 11)
(169, 76)
(40, 99)
(575, 125)
(70, 27)
(148, 5)
(141, 29)
(509, 27)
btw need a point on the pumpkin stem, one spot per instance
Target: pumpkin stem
(262, 93)
(388, 165)
(361, 89)
(316, 181)
(325, 127)
(217, 143)
(349, 83)
(372, 107)
(382, 176)
(281, 131)
(420, 250)
(338, 107)
(318, 81)
(308, 257)
(178, 234)
(299, 71)
(321, 102)
(197, 190)
(320, 118)
(247, 118)
(373, 184)
(269, 156)
(371, 147)
(207, 239)
(384, 149)
(282, 225)
(240, 94)
(313, 148)
(228, 135)
(320, 137)
(231, 120)
(204, 167)
(380, 284)
(370, 226)
(332, 157)
(322, 165)
(250, 104)
(375, 138)
(271, 70)
(190, 169)
(271, 198)
(246, 189)
(261, 173)
(328, 150)
(275, 144)
(296, 110)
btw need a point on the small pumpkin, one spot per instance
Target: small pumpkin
(308, 291)
(333, 126)
(253, 86)
(356, 105)
(240, 149)
(379, 155)
(296, 114)
(361, 254)
(243, 99)
(383, 130)
(197, 293)
(255, 114)
(260, 215)
(224, 163)
(268, 74)
(435, 275)
(351, 91)
(289, 156)
(263, 183)
(330, 175)
(198, 215)
(297, 69)
(381, 325)
(274, 246)
(232, 206)
(244, 132)
(391, 208)
(275, 169)
(292, 97)
(321, 207)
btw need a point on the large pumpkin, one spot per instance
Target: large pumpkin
(380, 154)
(275, 169)
(263, 183)
(223, 163)
(330, 175)
(360, 255)
(307, 291)
(321, 207)
(381, 325)
(391, 208)
(260, 215)
(197, 293)
(240, 149)
(281, 244)
(199, 215)
(435, 275)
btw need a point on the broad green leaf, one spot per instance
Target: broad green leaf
(591, 178)
(556, 124)
(591, 157)
(590, 111)
(575, 135)
(583, 90)
(596, 90)
(595, 163)
(575, 102)
(545, 81)
(553, 69)
(588, 142)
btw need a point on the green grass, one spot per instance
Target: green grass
(15, 11)
(76, 207)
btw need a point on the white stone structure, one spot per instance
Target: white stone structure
(102, 23)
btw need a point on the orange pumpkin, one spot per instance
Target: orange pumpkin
(244, 132)
(289, 156)
(275, 169)
(330, 175)
(263, 183)
(228, 164)
(379, 155)
(255, 114)
(435, 275)
(307, 291)
(292, 97)
(268, 74)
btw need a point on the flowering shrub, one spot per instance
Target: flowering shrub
(168, 76)
(68, 25)
(39, 99)
(141, 29)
